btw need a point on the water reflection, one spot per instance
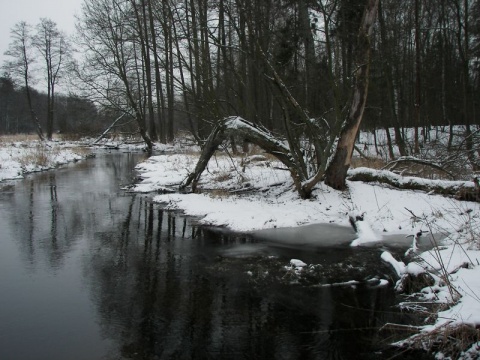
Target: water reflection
(164, 293)
(91, 272)
(47, 222)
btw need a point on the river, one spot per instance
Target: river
(91, 271)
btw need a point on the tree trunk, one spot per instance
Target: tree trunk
(308, 43)
(418, 85)
(148, 74)
(33, 115)
(237, 126)
(387, 69)
(389, 144)
(336, 172)
(158, 81)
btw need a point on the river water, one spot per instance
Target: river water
(90, 271)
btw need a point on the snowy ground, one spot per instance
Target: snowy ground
(22, 157)
(23, 154)
(255, 193)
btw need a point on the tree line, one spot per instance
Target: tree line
(172, 65)
(210, 59)
(161, 60)
(74, 115)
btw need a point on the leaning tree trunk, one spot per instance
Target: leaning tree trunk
(237, 126)
(336, 172)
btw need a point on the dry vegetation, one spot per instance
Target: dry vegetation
(450, 341)
(31, 153)
(39, 156)
(8, 139)
(370, 162)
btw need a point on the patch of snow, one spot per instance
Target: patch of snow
(414, 269)
(383, 282)
(345, 283)
(385, 210)
(365, 234)
(19, 158)
(398, 266)
(297, 263)
(404, 180)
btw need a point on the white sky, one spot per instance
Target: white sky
(12, 11)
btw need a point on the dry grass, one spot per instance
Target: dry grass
(69, 137)
(39, 156)
(8, 139)
(451, 341)
(82, 151)
(373, 163)
(223, 176)
(219, 193)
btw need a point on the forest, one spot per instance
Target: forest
(288, 90)
(171, 65)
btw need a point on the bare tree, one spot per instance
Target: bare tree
(20, 51)
(53, 47)
(336, 172)
(113, 70)
(306, 157)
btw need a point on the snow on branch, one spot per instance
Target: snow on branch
(392, 164)
(444, 187)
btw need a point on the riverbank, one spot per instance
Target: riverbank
(22, 155)
(25, 154)
(255, 192)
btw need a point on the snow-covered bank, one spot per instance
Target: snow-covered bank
(272, 201)
(256, 193)
(23, 157)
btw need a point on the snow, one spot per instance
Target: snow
(409, 180)
(297, 263)
(414, 269)
(256, 192)
(463, 265)
(398, 266)
(276, 204)
(346, 283)
(383, 282)
(23, 157)
(365, 234)
(384, 210)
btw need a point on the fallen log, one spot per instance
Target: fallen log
(461, 190)
(410, 159)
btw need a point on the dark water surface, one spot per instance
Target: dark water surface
(88, 271)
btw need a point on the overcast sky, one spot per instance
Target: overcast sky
(12, 11)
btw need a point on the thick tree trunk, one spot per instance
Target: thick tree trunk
(144, 135)
(336, 172)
